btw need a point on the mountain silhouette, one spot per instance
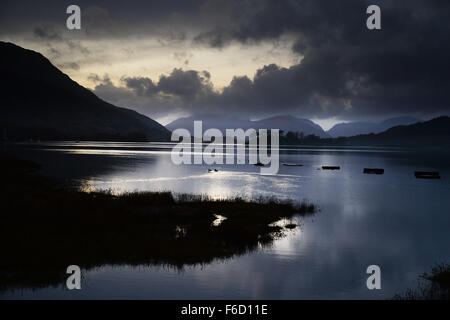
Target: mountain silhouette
(356, 128)
(291, 123)
(435, 132)
(38, 101)
(282, 122)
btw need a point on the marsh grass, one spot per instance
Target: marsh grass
(45, 228)
(431, 286)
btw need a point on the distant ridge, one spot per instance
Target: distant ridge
(435, 132)
(38, 101)
(356, 128)
(282, 122)
(291, 123)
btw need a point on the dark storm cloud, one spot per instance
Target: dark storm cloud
(100, 18)
(187, 85)
(141, 86)
(346, 70)
(179, 91)
(49, 34)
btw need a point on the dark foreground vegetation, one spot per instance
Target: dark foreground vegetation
(45, 228)
(431, 286)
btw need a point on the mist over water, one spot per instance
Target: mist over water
(392, 220)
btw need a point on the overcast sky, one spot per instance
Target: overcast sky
(308, 58)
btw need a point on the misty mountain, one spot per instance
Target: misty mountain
(285, 122)
(221, 123)
(435, 132)
(432, 133)
(356, 128)
(38, 101)
(290, 123)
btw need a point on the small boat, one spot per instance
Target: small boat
(292, 165)
(331, 168)
(427, 174)
(215, 170)
(373, 171)
(209, 170)
(259, 164)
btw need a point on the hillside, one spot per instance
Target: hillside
(435, 132)
(356, 128)
(38, 101)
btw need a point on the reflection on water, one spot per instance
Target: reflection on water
(218, 221)
(393, 220)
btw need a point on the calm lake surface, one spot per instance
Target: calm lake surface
(392, 220)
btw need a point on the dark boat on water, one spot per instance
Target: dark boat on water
(331, 168)
(373, 171)
(292, 165)
(427, 174)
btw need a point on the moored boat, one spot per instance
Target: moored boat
(427, 174)
(373, 170)
(331, 168)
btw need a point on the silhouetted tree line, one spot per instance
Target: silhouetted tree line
(291, 137)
